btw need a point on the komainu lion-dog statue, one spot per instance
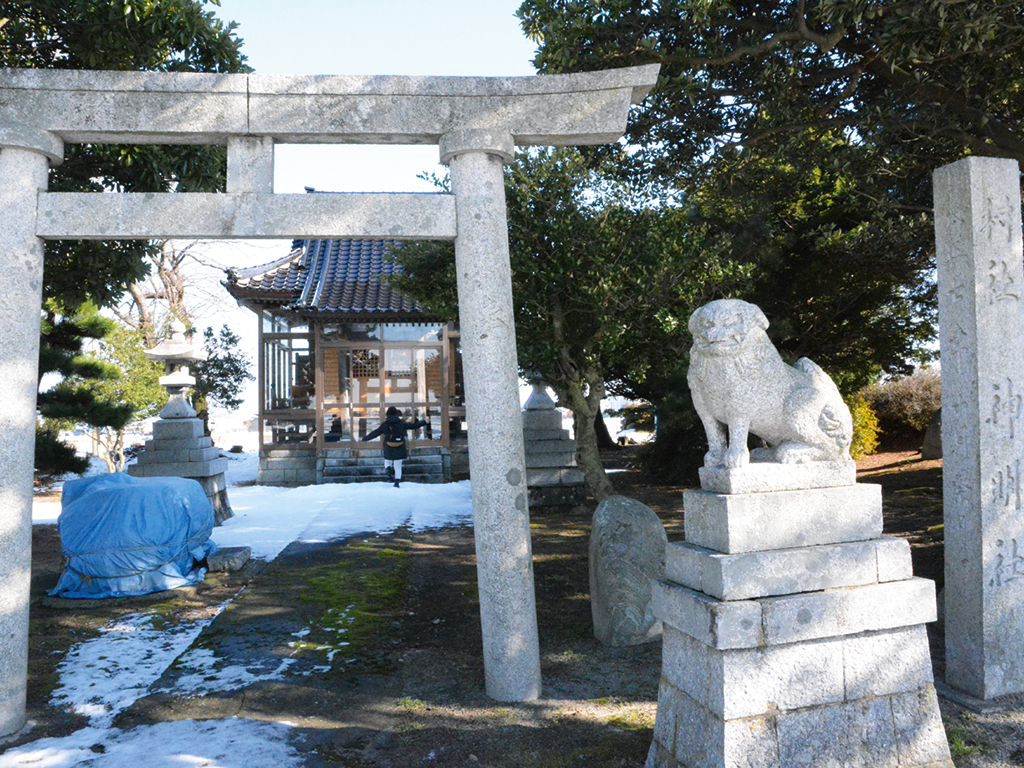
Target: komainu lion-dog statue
(740, 386)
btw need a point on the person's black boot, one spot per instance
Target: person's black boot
(396, 484)
(390, 473)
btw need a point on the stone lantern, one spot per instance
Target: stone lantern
(552, 477)
(180, 447)
(176, 352)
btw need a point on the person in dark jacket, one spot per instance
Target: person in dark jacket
(393, 430)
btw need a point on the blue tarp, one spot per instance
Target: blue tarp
(123, 535)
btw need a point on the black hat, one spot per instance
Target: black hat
(392, 411)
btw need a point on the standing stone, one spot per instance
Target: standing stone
(981, 322)
(627, 555)
(23, 174)
(501, 516)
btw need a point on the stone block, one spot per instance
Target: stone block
(920, 735)
(627, 555)
(188, 444)
(532, 435)
(813, 615)
(542, 420)
(794, 618)
(770, 476)
(229, 558)
(159, 456)
(787, 571)
(755, 681)
(753, 522)
(204, 454)
(854, 734)
(267, 476)
(894, 562)
(554, 476)
(703, 740)
(552, 459)
(182, 469)
(719, 624)
(555, 495)
(891, 661)
(177, 429)
(776, 572)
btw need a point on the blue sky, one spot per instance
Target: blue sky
(375, 37)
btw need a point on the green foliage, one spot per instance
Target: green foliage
(638, 416)
(75, 399)
(156, 35)
(221, 376)
(604, 278)
(904, 405)
(805, 134)
(54, 457)
(865, 427)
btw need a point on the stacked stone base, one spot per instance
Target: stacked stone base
(552, 477)
(180, 449)
(794, 636)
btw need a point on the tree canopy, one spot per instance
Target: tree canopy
(152, 35)
(931, 79)
(805, 135)
(603, 284)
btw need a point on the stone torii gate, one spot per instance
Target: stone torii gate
(475, 121)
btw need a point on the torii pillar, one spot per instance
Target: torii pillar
(497, 463)
(24, 164)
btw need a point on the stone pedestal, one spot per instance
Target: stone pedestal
(552, 477)
(179, 449)
(794, 635)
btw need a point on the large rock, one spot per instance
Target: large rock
(627, 554)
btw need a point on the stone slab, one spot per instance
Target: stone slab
(771, 476)
(177, 429)
(542, 419)
(538, 435)
(813, 615)
(794, 618)
(758, 681)
(549, 459)
(188, 444)
(787, 571)
(554, 476)
(752, 522)
(184, 469)
(229, 558)
(901, 730)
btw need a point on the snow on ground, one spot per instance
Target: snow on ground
(103, 676)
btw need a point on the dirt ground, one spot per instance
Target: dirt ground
(409, 689)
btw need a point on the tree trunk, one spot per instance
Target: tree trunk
(604, 438)
(583, 395)
(588, 456)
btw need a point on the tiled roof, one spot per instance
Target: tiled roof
(338, 276)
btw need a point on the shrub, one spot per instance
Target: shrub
(865, 427)
(905, 405)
